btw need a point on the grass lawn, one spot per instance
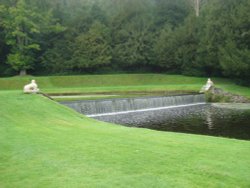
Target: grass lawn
(120, 82)
(44, 144)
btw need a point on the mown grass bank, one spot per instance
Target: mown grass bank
(120, 82)
(44, 144)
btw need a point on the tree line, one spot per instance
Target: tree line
(191, 37)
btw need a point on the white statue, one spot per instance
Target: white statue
(31, 88)
(208, 86)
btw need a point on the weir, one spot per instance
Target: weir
(95, 108)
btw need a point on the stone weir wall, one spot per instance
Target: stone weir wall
(90, 107)
(218, 95)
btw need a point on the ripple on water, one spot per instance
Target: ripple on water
(240, 106)
(223, 120)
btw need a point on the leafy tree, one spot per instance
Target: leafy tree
(165, 48)
(92, 49)
(235, 62)
(56, 58)
(23, 24)
(126, 34)
(235, 54)
(132, 47)
(132, 35)
(187, 46)
(170, 12)
(221, 27)
(211, 37)
(2, 46)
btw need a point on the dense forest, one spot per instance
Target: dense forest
(191, 37)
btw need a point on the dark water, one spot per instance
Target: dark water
(203, 119)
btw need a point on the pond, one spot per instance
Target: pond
(232, 121)
(177, 113)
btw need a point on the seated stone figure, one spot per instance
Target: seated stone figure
(31, 88)
(208, 86)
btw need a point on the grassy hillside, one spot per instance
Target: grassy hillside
(44, 144)
(99, 81)
(120, 82)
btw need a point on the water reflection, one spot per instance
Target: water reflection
(204, 119)
(209, 120)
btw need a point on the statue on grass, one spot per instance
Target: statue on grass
(31, 88)
(209, 85)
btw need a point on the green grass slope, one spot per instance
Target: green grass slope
(120, 82)
(44, 144)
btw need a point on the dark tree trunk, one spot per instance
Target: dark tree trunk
(23, 72)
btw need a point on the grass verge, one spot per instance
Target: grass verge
(120, 82)
(44, 144)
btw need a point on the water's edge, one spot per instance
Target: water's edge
(183, 113)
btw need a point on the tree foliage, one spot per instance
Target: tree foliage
(22, 25)
(80, 36)
(92, 49)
